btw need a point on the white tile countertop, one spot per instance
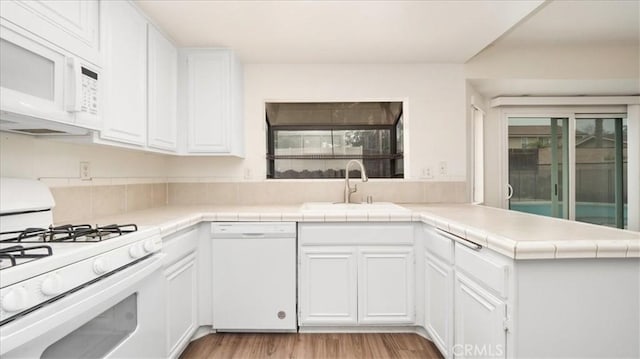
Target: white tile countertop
(514, 234)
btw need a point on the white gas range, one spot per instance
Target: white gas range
(69, 291)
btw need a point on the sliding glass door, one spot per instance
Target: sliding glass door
(538, 172)
(539, 167)
(601, 171)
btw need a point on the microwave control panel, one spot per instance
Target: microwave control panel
(89, 92)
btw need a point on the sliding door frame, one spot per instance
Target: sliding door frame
(552, 112)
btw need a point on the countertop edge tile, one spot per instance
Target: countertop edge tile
(535, 250)
(249, 216)
(271, 217)
(457, 229)
(476, 236)
(611, 249)
(633, 249)
(335, 217)
(504, 246)
(313, 217)
(378, 217)
(291, 216)
(576, 249)
(227, 217)
(357, 217)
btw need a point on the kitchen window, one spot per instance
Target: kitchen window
(316, 140)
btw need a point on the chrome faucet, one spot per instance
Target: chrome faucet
(347, 189)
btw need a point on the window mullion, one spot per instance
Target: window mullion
(619, 179)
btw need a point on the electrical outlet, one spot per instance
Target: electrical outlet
(443, 168)
(427, 172)
(85, 171)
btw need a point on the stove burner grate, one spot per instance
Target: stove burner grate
(68, 233)
(14, 253)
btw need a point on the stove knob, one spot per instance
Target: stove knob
(52, 285)
(100, 266)
(16, 300)
(135, 251)
(149, 245)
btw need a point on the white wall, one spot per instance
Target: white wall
(435, 113)
(57, 163)
(476, 99)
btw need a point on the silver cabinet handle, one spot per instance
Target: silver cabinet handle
(509, 191)
(465, 242)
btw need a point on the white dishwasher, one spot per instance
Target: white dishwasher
(254, 276)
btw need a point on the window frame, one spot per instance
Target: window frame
(393, 156)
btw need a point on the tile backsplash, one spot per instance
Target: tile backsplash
(295, 192)
(75, 204)
(79, 203)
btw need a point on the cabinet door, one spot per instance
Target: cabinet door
(125, 73)
(181, 301)
(328, 286)
(386, 285)
(209, 106)
(479, 321)
(439, 302)
(71, 25)
(163, 82)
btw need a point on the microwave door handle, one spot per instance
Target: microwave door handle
(74, 88)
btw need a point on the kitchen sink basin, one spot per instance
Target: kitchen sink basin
(352, 207)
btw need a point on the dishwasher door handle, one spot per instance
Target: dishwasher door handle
(253, 235)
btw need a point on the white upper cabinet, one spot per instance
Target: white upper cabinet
(213, 102)
(71, 25)
(162, 92)
(124, 39)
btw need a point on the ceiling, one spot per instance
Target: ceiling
(596, 24)
(579, 22)
(306, 31)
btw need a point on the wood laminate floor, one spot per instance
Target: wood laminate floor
(306, 345)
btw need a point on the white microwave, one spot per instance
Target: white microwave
(44, 91)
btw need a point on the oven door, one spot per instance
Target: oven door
(120, 316)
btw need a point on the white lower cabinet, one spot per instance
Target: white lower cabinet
(181, 285)
(386, 285)
(465, 296)
(439, 302)
(353, 274)
(328, 286)
(479, 321)
(181, 303)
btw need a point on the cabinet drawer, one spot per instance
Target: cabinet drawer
(481, 266)
(438, 245)
(355, 234)
(179, 245)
